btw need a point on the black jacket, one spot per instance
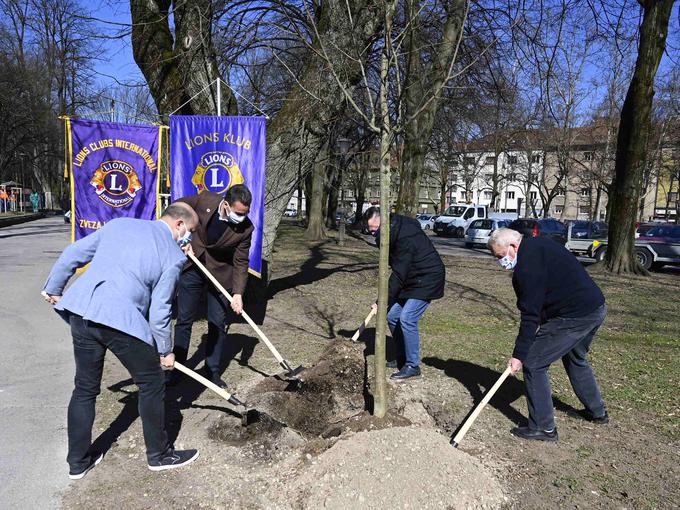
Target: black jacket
(417, 270)
(549, 283)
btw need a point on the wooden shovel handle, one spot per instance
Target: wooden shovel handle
(489, 394)
(226, 294)
(363, 326)
(205, 382)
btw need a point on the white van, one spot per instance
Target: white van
(457, 218)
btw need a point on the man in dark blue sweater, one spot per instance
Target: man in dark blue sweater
(561, 310)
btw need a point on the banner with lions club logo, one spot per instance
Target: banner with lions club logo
(114, 172)
(215, 153)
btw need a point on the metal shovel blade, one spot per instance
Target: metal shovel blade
(290, 372)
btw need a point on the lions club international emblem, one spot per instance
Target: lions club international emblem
(116, 183)
(216, 172)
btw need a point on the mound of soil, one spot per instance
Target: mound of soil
(401, 467)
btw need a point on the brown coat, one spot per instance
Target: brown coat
(227, 259)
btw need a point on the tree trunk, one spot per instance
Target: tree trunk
(315, 221)
(361, 194)
(335, 185)
(423, 84)
(379, 358)
(177, 66)
(632, 138)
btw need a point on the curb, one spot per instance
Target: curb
(8, 222)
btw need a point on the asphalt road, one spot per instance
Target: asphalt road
(36, 369)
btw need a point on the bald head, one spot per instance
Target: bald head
(178, 215)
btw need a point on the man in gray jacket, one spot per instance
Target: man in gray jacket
(123, 303)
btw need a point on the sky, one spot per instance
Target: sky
(117, 65)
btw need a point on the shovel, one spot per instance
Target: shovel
(468, 423)
(248, 416)
(363, 326)
(289, 372)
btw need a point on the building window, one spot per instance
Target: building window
(490, 160)
(585, 192)
(533, 195)
(588, 156)
(462, 195)
(488, 177)
(584, 209)
(560, 192)
(535, 158)
(512, 160)
(487, 195)
(559, 209)
(454, 178)
(468, 160)
(512, 177)
(672, 196)
(510, 195)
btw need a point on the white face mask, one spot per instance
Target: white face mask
(232, 216)
(185, 239)
(236, 218)
(507, 263)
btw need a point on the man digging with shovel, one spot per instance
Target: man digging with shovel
(417, 278)
(562, 309)
(122, 303)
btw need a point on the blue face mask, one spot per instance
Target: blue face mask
(184, 240)
(507, 263)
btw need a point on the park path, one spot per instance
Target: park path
(36, 369)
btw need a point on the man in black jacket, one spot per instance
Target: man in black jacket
(417, 278)
(561, 310)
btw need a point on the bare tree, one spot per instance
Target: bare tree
(632, 138)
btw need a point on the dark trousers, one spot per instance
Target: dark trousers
(191, 286)
(90, 342)
(569, 339)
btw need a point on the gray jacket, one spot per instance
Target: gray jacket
(130, 282)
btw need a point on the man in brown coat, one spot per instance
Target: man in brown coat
(221, 242)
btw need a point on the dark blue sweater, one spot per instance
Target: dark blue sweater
(549, 282)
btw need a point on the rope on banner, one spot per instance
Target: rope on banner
(219, 99)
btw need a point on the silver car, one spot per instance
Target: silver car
(426, 221)
(479, 231)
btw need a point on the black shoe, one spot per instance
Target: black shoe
(173, 459)
(93, 462)
(584, 414)
(219, 382)
(535, 435)
(407, 372)
(392, 364)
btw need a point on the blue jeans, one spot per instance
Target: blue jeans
(569, 339)
(403, 319)
(90, 343)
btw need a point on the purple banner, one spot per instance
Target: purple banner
(215, 153)
(114, 173)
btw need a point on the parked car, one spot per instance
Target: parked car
(426, 221)
(290, 213)
(588, 229)
(479, 231)
(456, 219)
(67, 217)
(659, 246)
(544, 227)
(641, 229)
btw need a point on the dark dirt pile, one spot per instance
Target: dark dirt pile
(327, 394)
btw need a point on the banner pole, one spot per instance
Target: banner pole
(219, 97)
